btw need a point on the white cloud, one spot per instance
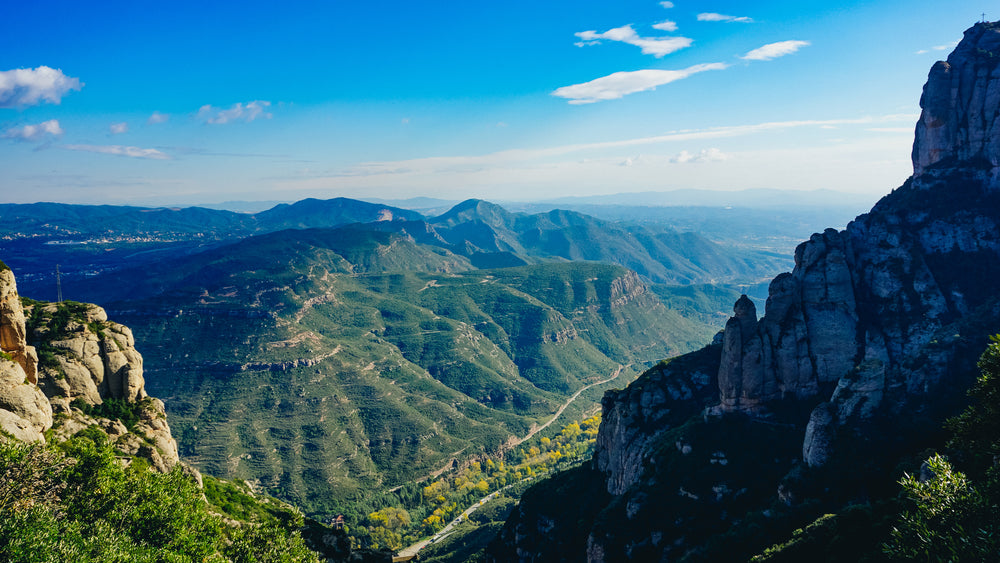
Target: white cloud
(945, 47)
(774, 50)
(620, 84)
(31, 86)
(665, 25)
(713, 17)
(121, 150)
(35, 133)
(157, 117)
(239, 112)
(667, 4)
(706, 155)
(656, 46)
(119, 128)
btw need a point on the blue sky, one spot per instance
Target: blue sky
(183, 103)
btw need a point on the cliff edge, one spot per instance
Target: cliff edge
(864, 348)
(79, 370)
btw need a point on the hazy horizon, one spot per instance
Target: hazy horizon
(199, 104)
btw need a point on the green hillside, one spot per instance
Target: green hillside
(325, 364)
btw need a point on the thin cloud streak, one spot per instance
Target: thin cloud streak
(120, 150)
(945, 47)
(714, 17)
(620, 84)
(774, 50)
(451, 163)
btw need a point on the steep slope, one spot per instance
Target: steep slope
(864, 348)
(324, 364)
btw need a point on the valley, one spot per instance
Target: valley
(369, 346)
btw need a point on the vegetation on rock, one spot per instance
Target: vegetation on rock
(79, 502)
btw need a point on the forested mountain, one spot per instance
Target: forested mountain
(322, 362)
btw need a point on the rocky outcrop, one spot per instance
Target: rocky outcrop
(86, 361)
(634, 418)
(25, 413)
(870, 340)
(959, 121)
(862, 304)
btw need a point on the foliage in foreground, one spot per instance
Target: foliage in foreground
(79, 502)
(949, 511)
(952, 516)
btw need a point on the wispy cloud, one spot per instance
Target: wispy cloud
(119, 128)
(945, 47)
(596, 164)
(239, 112)
(24, 87)
(620, 84)
(667, 5)
(121, 150)
(501, 157)
(774, 50)
(656, 46)
(706, 155)
(665, 25)
(35, 133)
(714, 17)
(157, 117)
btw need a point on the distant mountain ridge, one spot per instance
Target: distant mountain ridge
(485, 233)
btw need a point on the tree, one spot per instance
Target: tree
(976, 432)
(948, 519)
(949, 516)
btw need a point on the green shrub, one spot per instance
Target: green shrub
(112, 408)
(77, 502)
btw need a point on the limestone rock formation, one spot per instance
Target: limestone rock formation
(959, 120)
(862, 304)
(86, 360)
(24, 410)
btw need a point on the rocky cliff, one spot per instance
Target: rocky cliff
(864, 345)
(81, 370)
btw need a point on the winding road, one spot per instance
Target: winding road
(413, 549)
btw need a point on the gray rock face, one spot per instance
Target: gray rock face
(877, 325)
(862, 304)
(958, 121)
(635, 417)
(806, 339)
